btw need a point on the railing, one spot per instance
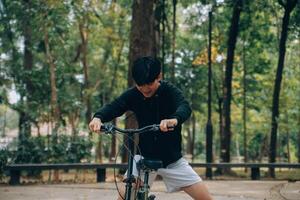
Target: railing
(15, 169)
(255, 167)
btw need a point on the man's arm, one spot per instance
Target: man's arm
(183, 109)
(110, 111)
(114, 109)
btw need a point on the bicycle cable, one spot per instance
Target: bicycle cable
(112, 129)
(127, 148)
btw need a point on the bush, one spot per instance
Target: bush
(69, 149)
(80, 148)
(60, 149)
(4, 156)
(30, 150)
(57, 150)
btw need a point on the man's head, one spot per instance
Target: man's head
(146, 72)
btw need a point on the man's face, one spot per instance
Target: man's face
(148, 90)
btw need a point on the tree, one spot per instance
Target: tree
(25, 123)
(142, 43)
(288, 6)
(173, 42)
(233, 33)
(52, 69)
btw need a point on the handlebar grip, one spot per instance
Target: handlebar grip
(107, 128)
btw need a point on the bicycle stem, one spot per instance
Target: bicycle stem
(110, 129)
(130, 166)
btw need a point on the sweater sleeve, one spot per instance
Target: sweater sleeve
(114, 109)
(183, 109)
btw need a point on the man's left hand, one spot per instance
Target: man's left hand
(168, 124)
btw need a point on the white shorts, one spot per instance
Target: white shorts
(175, 176)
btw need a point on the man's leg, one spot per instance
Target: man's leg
(121, 194)
(198, 191)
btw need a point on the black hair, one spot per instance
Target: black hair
(145, 70)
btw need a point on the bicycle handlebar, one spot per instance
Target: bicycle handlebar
(110, 129)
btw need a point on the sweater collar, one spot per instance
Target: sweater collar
(156, 94)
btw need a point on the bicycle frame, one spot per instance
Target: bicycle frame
(111, 129)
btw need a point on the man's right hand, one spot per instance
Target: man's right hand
(95, 125)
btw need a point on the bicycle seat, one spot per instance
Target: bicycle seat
(147, 164)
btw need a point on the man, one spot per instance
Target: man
(154, 101)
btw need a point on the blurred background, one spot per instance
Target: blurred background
(237, 62)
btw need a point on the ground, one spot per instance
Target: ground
(220, 190)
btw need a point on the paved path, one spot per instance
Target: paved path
(221, 190)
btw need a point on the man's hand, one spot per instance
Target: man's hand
(95, 125)
(168, 124)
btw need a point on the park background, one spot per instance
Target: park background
(237, 63)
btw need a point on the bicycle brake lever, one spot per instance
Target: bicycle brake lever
(155, 128)
(108, 128)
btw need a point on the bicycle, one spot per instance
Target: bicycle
(144, 164)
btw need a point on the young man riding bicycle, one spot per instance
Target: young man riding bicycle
(154, 101)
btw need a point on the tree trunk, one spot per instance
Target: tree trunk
(288, 7)
(24, 126)
(263, 148)
(233, 33)
(237, 146)
(116, 65)
(193, 135)
(142, 37)
(298, 137)
(113, 147)
(113, 82)
(189, 149)
(73, 120)
(219, 110)
(55, 112)
(84, 51)
(142, 43)
(99, 158)
(191, 129)
(157, 21)
(4, 123)
(173, 42)
(288, 146)
(24, 121)
(163, 45)
(245, 107)
(54, 100)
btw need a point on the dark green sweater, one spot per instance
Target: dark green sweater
(167, 103)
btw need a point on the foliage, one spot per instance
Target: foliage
(63, 148)
(53, 149)
(107, 25)
(79, 150)
(4, 156)
(30, 150)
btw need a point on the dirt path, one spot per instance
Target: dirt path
(285, 191)
(220, 190)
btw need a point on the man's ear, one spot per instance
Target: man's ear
(159, 76)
